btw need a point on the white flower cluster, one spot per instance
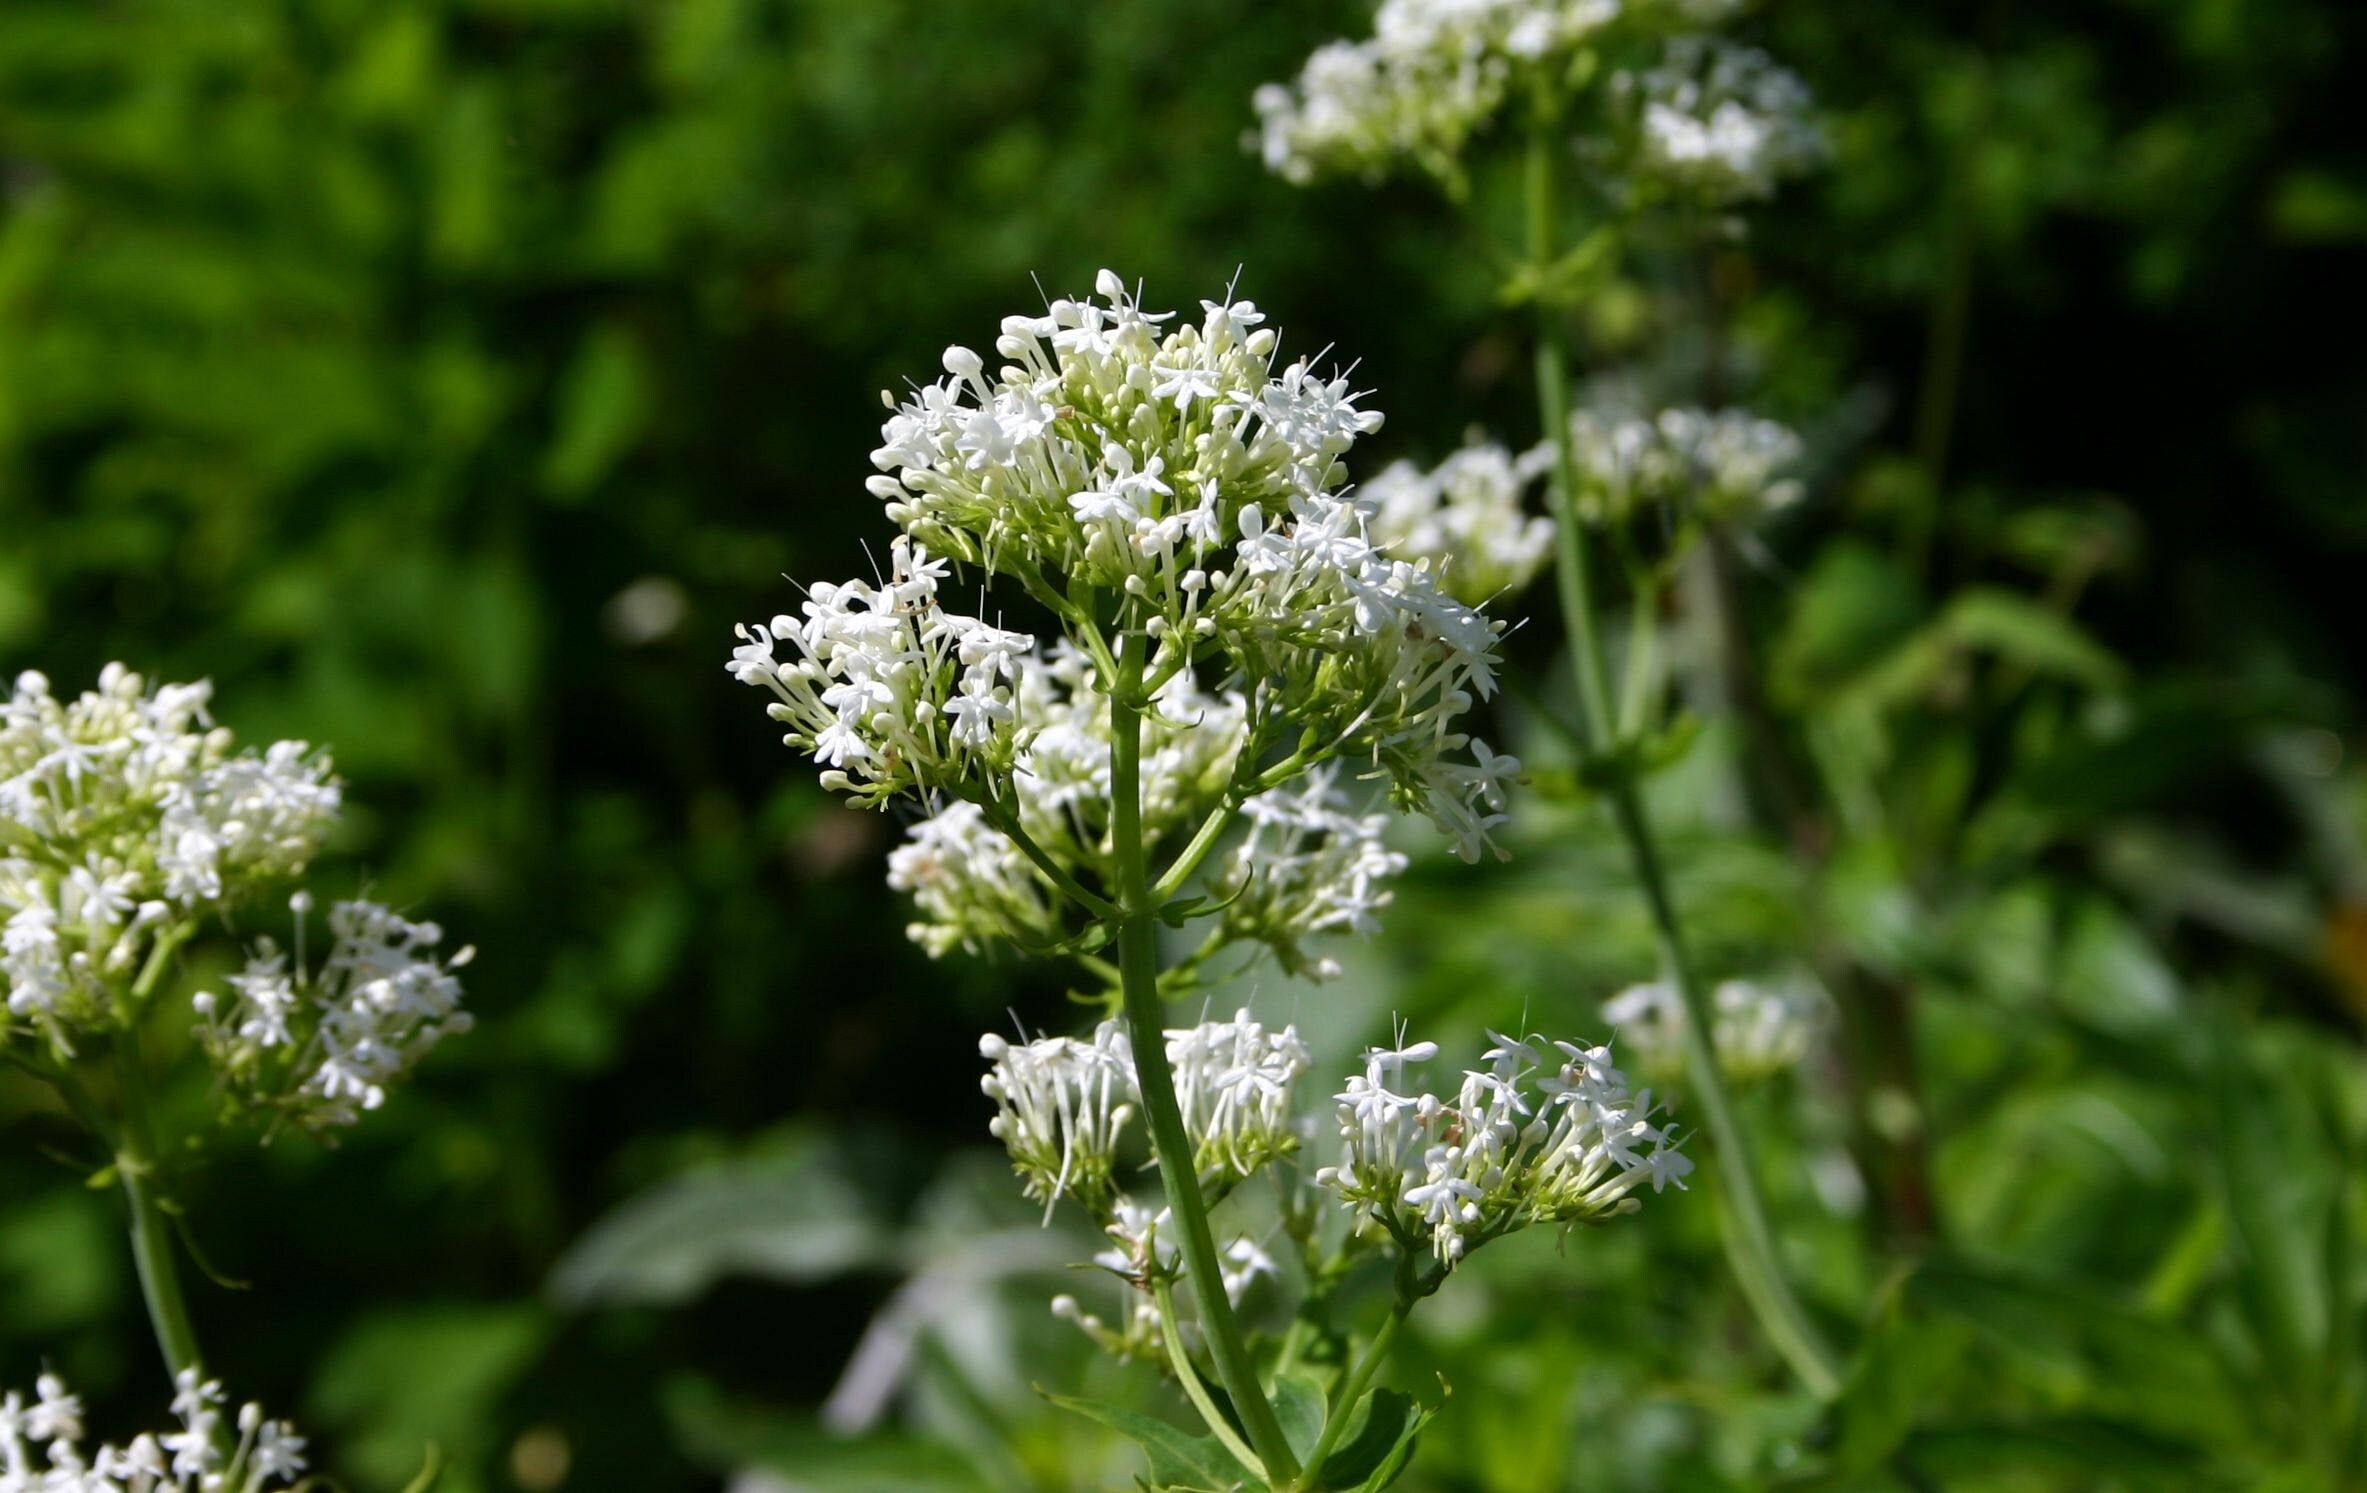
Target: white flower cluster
(1142, 1255)
(1062, 1104)
(1724, 466)
(123, 812)
(1308, 866)
(887, 689)
(1430, 75)
(41, 1447)
(1757, 1030)
(1179, 472)
(1718, 123)
(1540, 1135)
(322, 1047)
(1465, 519)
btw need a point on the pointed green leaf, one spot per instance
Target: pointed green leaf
(1179, 1460)
(1298, 1404)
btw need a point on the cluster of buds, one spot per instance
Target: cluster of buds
(1543, 1134)
(1757, 1030)
(1716, 124)
(1723, 467)
(322, 1046)
(42, 1451)
(1466, 518)
(124, 813)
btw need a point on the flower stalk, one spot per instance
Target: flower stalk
(151, 1230)
(1138, 965)
(1748, 1240)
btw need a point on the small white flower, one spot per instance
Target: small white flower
(41, 1447)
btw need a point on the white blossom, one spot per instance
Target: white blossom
(1716, 122)
(126, 811)
(1723, 466)
(1545, 1132)
(887, 689)
(1465, 518)
(1061, 1105)
(1308, 866)
(42, 1451)
(1234, 1082)
(1756, 1029)
(324, 1046)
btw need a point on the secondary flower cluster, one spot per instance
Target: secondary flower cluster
(887, 689)
(1309, 865)
(41, 1448)
(322, 1047)
(126, 811)
(1717, 123)
(1062, 1104)
(1725, 466)
(1543, 1134)
(1756, 1030)
(1465, 518)
(1181, 476)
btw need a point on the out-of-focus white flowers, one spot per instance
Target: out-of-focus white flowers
(125, 812)
(1143, 1255)
(1465, 518)
(1415, 91)
(1545, 1133)
(1723, 467)
(1757, 1029)
(322, 1046)
(42, 1451)
(1716, 123)
(1309, 865)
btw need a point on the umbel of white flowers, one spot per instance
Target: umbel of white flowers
(1716, 123)
(128, 820)
(321, 1046)
(42, 1451)
(1197, 487)
(1545, 1133)
(1703, 122)
(126, 812)
(1726, 467)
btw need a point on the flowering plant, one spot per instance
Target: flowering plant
(1235, 642)
(129, 824)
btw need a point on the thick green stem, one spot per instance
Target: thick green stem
(1750, 1244)
(1138, 967)
(151, 1231)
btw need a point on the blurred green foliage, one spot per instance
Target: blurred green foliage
(444, 379)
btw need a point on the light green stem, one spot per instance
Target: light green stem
(1351, 1388)
(1749, 1242)
(151, 1231)
(1138, 967)
(1187, 1374)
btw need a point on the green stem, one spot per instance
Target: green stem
(1187, 1374)
(1003, 817)
(1138, 965)
(151, 1231)
(1750, 1244)
(1352, 1387)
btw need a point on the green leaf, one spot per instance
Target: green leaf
(1380, 1442)
(1178, 1459)
(792, 1217)
(1298, 1404)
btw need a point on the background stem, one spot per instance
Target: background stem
(1749, 1242)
